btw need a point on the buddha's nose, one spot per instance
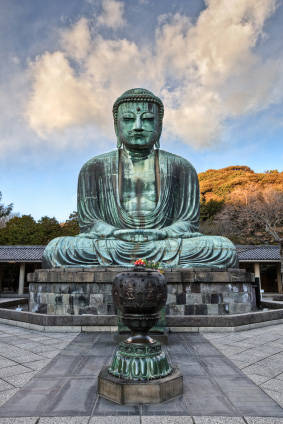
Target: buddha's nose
(138, 124)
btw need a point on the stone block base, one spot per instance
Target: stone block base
(81, 291)
(140, 392)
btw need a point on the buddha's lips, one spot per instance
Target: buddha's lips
(142, 134)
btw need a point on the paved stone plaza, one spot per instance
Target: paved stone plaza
(228, 378)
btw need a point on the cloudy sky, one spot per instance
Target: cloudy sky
(216, 64)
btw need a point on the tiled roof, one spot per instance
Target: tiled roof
(258, 253)
(21, 253)
(34, 253)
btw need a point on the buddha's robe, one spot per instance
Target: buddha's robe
(101, 212)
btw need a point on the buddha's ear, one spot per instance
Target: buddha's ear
(157, 143)
(119, 144)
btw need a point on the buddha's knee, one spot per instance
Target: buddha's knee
(55, 248)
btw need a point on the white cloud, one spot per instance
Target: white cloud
(77, 41)
(112, 15)
(205, 72)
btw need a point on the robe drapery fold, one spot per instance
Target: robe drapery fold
(101, 213)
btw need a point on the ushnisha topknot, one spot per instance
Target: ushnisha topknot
(138, 95)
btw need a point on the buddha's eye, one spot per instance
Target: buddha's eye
(149, 116)
(128, 117)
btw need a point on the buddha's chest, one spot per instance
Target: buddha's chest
(138, 186)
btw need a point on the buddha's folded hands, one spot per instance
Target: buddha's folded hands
(140, 235)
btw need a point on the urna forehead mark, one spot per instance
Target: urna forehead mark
(140, 107)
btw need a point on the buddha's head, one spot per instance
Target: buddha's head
(138, 115)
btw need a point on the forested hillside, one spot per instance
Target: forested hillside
(243, 205)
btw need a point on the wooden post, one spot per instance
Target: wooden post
(279, 282)
(22, 278)
(1, 277)
(257, 272)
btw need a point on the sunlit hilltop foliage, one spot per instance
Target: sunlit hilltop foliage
(242, 205)
(218, 184)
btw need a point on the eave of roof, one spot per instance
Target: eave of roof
(21, 253)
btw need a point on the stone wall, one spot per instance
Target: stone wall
(80, 291)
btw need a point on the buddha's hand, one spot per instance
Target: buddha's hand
(137, 236)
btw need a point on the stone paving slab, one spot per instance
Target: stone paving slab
(214, 387)
(217, 391)
(141, 420)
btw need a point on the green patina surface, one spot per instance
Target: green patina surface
(140, 362)
(139, 201)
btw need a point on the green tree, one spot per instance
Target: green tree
(209, 209)
(25, 230)
(48, 229)
(71, 226)
(5, 210)
(20, 231)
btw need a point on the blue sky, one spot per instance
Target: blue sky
(217, 65)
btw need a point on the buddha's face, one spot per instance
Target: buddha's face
(138, 124)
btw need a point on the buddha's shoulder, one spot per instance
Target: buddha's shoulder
(175, 159)
(103, 159)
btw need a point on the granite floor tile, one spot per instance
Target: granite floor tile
(4, 362)
(215, 402)
(166, 420)
(14, 370)
(18, 420)
(247, 398)
(276, 396)
(19, 380)
(89, 338)
(257, 379)
(104, 407)
(218, 420)
(4, 385)
(10, 353)
(41, 348)
(116, 420)
(25, 344)
(263, 420)
(265, 371)
(190, 366)
(63, 420)
(173, 407)
(37, 365)
(62, 365)
(6, 395)
(77, 397)
(231, 350)
(27, 357)
(279, 377)
(269, 349)
(244, 361)
(49, 355)
(274, 384)
(220, 366)
(33, 399)
(103, 350)
(90, 366)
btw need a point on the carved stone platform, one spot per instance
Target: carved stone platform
(199, 291)
(140, 392)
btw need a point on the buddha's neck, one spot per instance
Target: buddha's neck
(137, 154)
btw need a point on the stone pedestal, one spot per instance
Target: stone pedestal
(140, 392)
(79, 291)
